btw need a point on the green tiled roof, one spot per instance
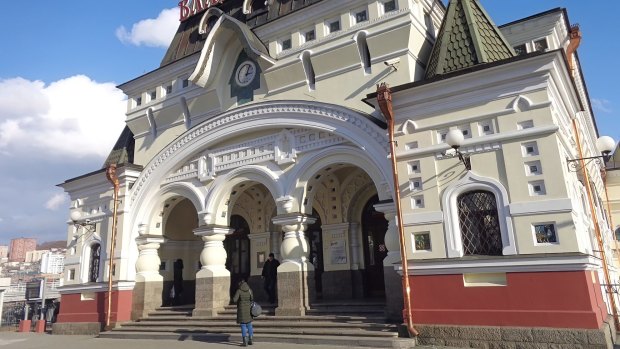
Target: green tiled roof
(467, 37)
(122, 153)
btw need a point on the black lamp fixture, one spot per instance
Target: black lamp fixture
(605, 145)
(85, 224)
(455, 139)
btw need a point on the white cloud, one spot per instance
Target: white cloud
(602, 105)
(55, 202)
(75, 117)
(156, 32)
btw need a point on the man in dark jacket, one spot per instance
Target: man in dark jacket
(270, 275)
(243, 298)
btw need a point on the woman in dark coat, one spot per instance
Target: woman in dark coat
(244, 297)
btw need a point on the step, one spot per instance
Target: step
(263, 324)
(307, 318)
(235, 337)
(232, 328)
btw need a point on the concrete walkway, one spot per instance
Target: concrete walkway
(10, 340)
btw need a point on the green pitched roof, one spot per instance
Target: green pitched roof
(467, 37)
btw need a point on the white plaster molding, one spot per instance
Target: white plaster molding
(98, 287)
(423, 218)
(480, 142)
(520, 264)
(540, 207)
(452, 229)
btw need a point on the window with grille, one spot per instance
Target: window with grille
(93, 270)
(479, 222)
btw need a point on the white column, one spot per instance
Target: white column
(213, 279)
(392, 240)
(213, 255)
(294, 248)
(147, 265)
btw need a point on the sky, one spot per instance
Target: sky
(60, 112)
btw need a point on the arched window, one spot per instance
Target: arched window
(479, 222)
(308, 69)
(93, 268)
(364, 52)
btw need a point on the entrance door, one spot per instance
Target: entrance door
(315, 241)
(374, 227)
(237, 247)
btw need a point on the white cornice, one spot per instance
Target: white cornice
(516, 264)
(540, 207)
(98, 287)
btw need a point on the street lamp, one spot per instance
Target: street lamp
(605, 145)
(455, 139)
(78, 222)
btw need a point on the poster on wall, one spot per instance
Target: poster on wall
(338, 252)
(260, 259)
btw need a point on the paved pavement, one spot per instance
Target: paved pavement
(9, 340)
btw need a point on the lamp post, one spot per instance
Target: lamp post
(455, 139)
(605, 145)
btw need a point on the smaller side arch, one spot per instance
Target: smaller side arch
(224, 184)
(452, 229)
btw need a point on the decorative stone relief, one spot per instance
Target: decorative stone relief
(206, 168)
(285, 152)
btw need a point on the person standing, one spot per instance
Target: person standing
(243, 298)
(270, 275)
(177, 285)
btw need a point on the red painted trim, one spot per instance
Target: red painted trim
(74, 309)
(545, 299)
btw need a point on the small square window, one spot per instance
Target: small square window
(71, 275)
(361, 16)
(185, 83)
(422, 241)
(533, 168)
(414, 167)
(153, 95)
(309, 35)
(333, 26)
(486, 128)
(412, 145)
(285, 44)
(541, 45)
(138, 101)
(389, 6)
(525, 124)
(545, 234)
(530, 149)
(537, 188)
(417, 202)
(520, 49)
(416, 184)
(168, 89)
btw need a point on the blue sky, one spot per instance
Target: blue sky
(60, 113)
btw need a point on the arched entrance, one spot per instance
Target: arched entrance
(237, 247)
(374, 226)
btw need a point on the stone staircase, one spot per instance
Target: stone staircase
(351, 324)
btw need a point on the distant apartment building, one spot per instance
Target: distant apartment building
(53, 262)
(19, 248)
(4, 251)
(34, 256)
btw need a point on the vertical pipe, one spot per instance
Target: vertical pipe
(111, 176)
(384, 98)
(1, 305)
(597, 230)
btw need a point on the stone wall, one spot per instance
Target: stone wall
(516, 337)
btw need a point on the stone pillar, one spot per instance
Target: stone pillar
(213, 279)
(357, 277)
(148, 291)
(295, 272)
(276, 244)
(394, 302)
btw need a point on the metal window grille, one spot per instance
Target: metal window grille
(479, 223)
(95, 254)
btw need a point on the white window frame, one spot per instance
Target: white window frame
(281, 43)
(329, 22)
(302, 35)
(557, 236)
(429, 239)
(452, 228)
(356, 11)
(382, 6)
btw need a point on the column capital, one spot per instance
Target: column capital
(386, 207)
(293, 218)
(210, 230)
